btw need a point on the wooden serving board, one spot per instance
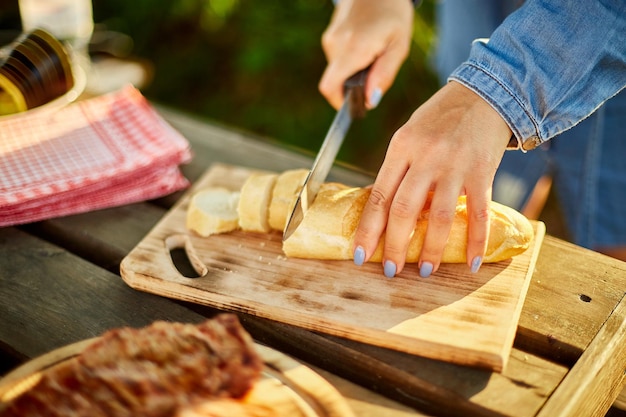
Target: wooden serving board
(286, 387)
(454, 316)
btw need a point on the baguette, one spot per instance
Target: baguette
(328, 228)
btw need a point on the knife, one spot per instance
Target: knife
(353, 107)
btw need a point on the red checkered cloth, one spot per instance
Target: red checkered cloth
(102, 152)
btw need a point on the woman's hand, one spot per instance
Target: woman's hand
(451, 145)
(364, 32)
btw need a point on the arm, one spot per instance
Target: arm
(550, 65)
(454, 142)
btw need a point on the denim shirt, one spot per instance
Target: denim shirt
(549, 65)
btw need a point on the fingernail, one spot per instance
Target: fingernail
(390, 269)
(426, 269)
(359, 256)
(376, 96)
(476, 262)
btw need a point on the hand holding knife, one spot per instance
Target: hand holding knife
(353, 107)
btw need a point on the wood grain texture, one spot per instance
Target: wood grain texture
(454, 316)
(602, 365)
(50, 297)
(572, 293)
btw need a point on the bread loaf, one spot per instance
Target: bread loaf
(329, 225)
(328, 228)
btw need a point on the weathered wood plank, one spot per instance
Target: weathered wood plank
(571, 294)
(102, 237)
(50, 298)
(588, 389)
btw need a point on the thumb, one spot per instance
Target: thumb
(383, 73)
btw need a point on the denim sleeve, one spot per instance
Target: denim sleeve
(550, 65)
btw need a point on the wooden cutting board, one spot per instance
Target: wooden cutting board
(454, 316)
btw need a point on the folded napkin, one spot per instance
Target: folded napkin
(96, 153)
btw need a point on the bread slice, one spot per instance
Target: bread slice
(254, 202)
(284, 196)
(328, 228)
(213, 210)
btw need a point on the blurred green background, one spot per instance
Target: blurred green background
(255, 65)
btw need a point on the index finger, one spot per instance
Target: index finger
(331, 84)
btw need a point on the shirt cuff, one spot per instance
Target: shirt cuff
(503, 100)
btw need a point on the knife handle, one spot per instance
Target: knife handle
(356, 84)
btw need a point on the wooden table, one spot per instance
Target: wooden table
(60, 283)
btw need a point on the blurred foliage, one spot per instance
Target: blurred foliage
(256, 65)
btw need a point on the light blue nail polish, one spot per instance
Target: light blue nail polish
(390, 269)
(426, 269)
(359, 256)
(376, 96)
(476, 263)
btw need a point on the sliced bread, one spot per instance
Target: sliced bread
(254, 202)
(288, 186)
(213, 210)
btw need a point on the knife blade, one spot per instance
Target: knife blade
(353, 107)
